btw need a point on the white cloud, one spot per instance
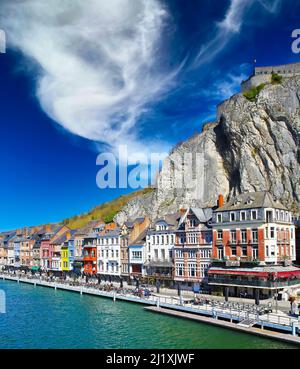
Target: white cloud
(229, 85)
(99, 61)
(230, 26)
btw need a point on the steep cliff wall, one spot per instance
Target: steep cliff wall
(252, 146)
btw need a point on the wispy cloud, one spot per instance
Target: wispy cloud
(229, 27)
(228, 85)
(99, 61)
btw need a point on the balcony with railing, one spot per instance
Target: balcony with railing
(89, 256)
(163, 262)
(254, 282)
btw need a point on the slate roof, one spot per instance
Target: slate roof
(202, 214)
(250, 200)
(171, 219)
(60, 239)
(140, 240)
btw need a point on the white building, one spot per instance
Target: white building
(159, 247)
(109, 254)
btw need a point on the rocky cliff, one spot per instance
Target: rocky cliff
(254, 145)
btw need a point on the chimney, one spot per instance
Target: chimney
(220, 200)
(68, 235)
(182, 211)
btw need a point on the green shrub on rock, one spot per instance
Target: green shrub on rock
(252, 94)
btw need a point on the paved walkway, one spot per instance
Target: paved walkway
(224, 324)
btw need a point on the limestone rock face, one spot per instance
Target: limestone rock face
(253, 146)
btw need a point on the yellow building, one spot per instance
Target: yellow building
(65, 262)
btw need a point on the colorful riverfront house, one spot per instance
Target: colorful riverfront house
(193, 248)
(27, 242)
(2, 249)
(108, 254)
(67, 253)
(45, 255)
(10, 250)
(47, 244)
(92, 227)
(253, 247)
(130, 230)
(159, 247)
(5, 237)
(17, 251)
(58, 244)
(90, 254)
(37, 235)
(136, 257)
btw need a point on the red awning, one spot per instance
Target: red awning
(255, 273)
(238, 272)
(286, 274)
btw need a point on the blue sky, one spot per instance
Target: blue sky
(82, 77)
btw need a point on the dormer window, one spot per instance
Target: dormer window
(232, 217)
(254, 214)
(243, 215)
(219, 218)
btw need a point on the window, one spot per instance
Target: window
(233, 236)
(192, 254)
(233, 250)
(232, 217)
(269, 216)
(267, 232)
(244, 251)
(272, 250)
(220, 253)
(243, 215)
(219, 218)
(219, 234)
(179, 253)
(254, 235)
(192, 269)
(203, 269)
(137, 255)
(244, 235)
(179, 269)
(254, 253)
(253, 214)
(272, 232)
(193, 223)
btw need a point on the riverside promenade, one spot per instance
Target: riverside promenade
(244, 318)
